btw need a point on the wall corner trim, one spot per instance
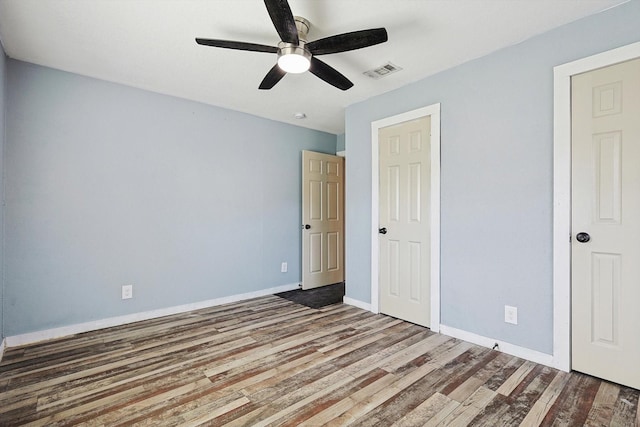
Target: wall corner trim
(505, 347)
(33, 337)
(2, 345)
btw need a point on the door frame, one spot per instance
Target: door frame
(562, 192)
(434, 203)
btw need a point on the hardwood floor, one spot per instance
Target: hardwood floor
(269, 361)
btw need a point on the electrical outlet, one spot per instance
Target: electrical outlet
(283, 267)
(127, 291)
(511, 314)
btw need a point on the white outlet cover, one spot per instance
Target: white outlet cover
(511, 314)
(283, 267)
(127, 291)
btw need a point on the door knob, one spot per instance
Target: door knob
(382, 230)
(306, 226)
(583, 237)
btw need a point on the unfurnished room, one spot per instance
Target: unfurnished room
(320, 212)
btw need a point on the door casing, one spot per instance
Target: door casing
(562, 193)
(434, 112)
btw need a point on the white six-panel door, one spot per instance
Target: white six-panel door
(322, 219)
(605, 245)
(404, 241)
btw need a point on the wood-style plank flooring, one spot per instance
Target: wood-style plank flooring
(269, 361)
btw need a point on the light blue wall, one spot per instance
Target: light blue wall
(496, 179)
(108, 185)
(3, 66)
(340, 142)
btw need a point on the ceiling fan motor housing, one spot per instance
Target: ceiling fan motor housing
(303, 26)
(296, 58)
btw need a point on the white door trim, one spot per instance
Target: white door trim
(434, 112)
(562, 192)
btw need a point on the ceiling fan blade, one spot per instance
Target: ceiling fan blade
(282, 19)
(348, 41)
(230, 44)
(329, 74)
(273, 76)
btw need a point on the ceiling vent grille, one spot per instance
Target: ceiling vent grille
(382, 71)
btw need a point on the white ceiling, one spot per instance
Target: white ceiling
(149, 44)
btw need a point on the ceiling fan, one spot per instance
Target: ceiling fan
(295, 54)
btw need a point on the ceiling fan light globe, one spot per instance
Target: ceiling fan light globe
(294, 63)
(293, 58)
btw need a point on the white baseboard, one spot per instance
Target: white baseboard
(33, 337)
(505, 347)
(2, 343)
(356, 303)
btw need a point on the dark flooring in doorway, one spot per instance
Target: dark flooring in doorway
(316, 298)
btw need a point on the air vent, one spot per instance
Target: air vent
(382, 71)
